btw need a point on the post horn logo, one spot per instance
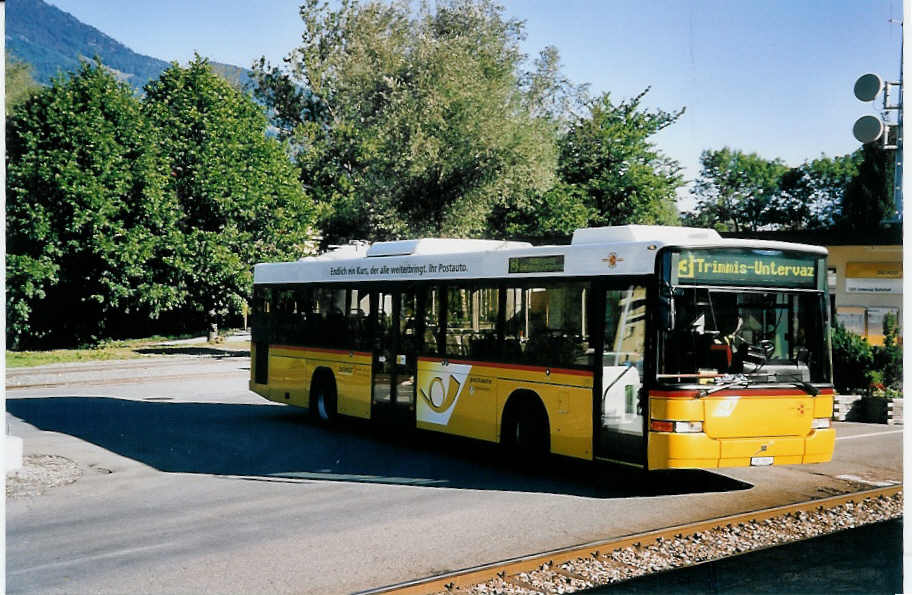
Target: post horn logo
(440, 399)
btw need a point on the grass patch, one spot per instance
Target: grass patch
(25, 359)
(128, 349)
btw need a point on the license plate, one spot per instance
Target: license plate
(761, 461)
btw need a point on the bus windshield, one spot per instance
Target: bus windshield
(713, 334)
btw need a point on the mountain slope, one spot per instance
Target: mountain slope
(54, 41)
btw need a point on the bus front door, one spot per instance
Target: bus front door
(619, 412)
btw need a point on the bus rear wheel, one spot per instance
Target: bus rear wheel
(525, 431)
(323, 400)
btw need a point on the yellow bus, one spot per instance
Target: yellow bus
(657, 347)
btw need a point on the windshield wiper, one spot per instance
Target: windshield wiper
(806, 387)
(738, 382)
(744, 382)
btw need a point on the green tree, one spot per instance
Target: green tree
(609, 174)
(408, 124)
(811, 195)
(607, 155)
(549, 94)
(20, 83)
(735, 191)
(868, 197)
(547, 219)
(239, 198)
(88, 218)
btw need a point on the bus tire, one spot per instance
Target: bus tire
(525, 430)
(323, 398)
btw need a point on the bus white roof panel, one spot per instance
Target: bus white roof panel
(480, 259)
(439, 246)
(643, 233)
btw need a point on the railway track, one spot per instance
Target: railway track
(604, 562)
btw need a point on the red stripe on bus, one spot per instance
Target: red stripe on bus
(321, 350)
(511, 366)
(736, 392)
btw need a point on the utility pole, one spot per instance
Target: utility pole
(871, 128)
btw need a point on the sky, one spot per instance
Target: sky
(774, 77)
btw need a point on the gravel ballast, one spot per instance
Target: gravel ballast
(622, 564)
(39, 473)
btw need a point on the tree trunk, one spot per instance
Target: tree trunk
(213, 326)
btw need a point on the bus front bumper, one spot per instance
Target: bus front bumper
(699, 451)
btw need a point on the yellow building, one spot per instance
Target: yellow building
(866, 283)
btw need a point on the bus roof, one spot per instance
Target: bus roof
(619, 250)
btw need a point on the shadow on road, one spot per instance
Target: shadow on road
(278, 442)
(209, 351)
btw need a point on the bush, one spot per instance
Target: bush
(888, 359)
(853, 361)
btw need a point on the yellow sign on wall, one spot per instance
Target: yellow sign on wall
(874, 277)
(874, 270)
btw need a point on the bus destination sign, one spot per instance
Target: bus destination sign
(744, 267)
(537, 264)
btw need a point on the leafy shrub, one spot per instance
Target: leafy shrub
(853, 361)
(888, 359)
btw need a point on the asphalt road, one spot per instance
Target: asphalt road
(196, 484)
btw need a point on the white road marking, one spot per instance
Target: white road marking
(879, 484)
(115, 554)
(867, 435)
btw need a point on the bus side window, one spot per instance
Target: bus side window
(260, 322)
(285, 317)
(514, 325)
(359, 311)
(430, 344)
(471, 326)
(625, 327)
(483, 343)
(556, 323)
(327, 327)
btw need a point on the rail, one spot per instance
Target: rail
(516, 571)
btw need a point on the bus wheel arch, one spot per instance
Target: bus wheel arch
(323, 395)
(525, 428)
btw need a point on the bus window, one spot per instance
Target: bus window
(359, 310)
(625, 326)
(514, 325)
(778, 335)
(260, 322)
(458, 322)
(471, 323)
(483, 344)
(431, 344)
(287, 317)
(622, 359)
(326, 323)
(546, 326)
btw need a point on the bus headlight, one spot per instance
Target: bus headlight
(678, 427)
(820, 423)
